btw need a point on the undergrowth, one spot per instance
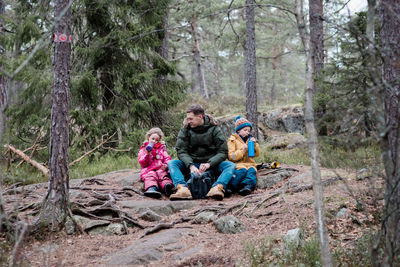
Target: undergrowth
(330, 156)
(269, 251)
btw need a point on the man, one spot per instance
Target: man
(201, 145)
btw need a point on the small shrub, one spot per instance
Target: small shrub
(268, 252)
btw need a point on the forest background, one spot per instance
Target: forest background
(138, 64)
(118, 57)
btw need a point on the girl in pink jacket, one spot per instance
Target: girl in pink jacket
(153, 159)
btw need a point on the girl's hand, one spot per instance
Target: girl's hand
(244, 147)
(253, 139)
(164, 167)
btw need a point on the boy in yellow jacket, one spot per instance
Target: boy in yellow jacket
(244, 178)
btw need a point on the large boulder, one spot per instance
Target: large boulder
(285, 141)
(288, 119)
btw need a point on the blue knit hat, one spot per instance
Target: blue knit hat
(241, 122)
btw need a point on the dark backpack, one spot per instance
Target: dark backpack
(200, 185)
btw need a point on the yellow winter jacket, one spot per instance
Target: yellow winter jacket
(238, 155)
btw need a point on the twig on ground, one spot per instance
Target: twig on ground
(264, 200)
(239, 210)
(157, 228)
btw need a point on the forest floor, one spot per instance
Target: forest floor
(267, 213)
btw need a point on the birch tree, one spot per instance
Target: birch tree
(312, 139)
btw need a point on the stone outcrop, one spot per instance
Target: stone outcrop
(289, 119)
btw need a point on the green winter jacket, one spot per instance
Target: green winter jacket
(203, 144)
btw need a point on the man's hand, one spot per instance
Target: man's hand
(204, 167)
(193, 169)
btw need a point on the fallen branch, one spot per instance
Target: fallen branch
(117, 150)
(33, 147)
(26, 158)
(92, 150)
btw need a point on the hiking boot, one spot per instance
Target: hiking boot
(152, 192)
(217, 192)
(245, 191)
(182, 193)
(168, 189)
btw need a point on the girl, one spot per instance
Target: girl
(153, 159)
(244, 178)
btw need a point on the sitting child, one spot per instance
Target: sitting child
(153, 159)
(244, 178)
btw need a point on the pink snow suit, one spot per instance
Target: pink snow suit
(152, 173)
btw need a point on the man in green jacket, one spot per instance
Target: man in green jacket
(201, 145)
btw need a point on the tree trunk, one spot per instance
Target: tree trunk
(250, 66)
(193, 84)
(55, 205)
(274, 64)
(218, 88)
(317, 51)
(163, 51)
(313, 141)
(390, 35)
(3, 104)
(197, 58)
(316, 34)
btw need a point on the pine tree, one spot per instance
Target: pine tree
(54, 209)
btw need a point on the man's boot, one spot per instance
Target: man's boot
(217, 192)
(182, 193)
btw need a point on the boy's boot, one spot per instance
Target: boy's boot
(246, 190)
(152, 192)
(182, 193)
(217, 192)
